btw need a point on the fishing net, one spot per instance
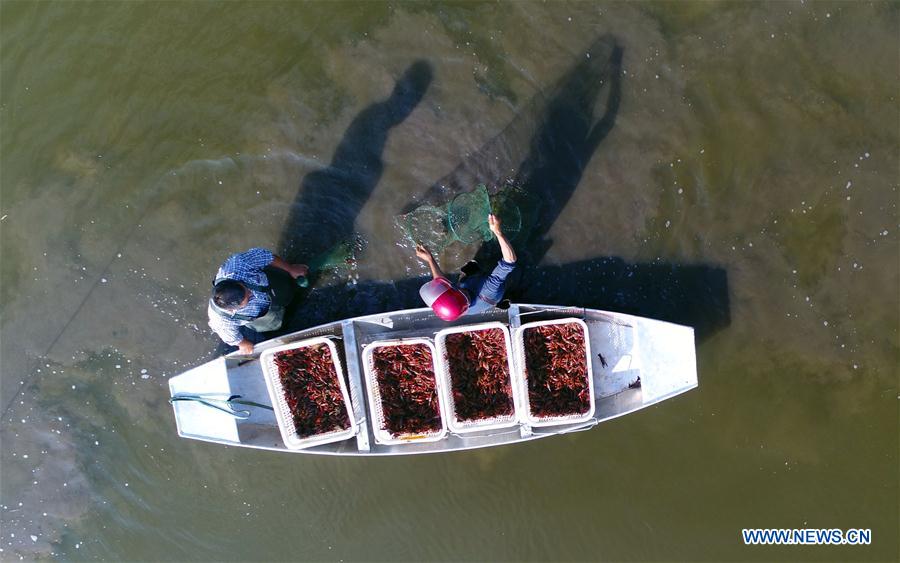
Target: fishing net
(533, 166)
(467, 216)
(464, 219)
(427, 225)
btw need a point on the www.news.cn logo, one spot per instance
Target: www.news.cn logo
(810, 536)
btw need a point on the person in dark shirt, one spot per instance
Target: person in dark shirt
(250, 293)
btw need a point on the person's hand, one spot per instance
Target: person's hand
(423, 253)
(494, 224)
(245, 347)
(298, 270)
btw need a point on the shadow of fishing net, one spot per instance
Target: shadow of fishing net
(340, 261)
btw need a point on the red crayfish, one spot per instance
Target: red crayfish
(479, 374)
(557, 370)
(312, 390)
(408, 389)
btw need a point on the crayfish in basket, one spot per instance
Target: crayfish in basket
(557, 371)
(408, 389)
(479, 374)
(312, 390)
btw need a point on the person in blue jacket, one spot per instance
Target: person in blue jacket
(474, 292)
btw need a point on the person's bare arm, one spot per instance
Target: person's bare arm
(509, 254)
(425, 256)
(295, 270)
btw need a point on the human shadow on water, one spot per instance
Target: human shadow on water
(324, 211)
(691, 295)
(562, 147)
(543, 153)
(326, 206)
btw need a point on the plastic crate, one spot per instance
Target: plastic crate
(383, 436)
(283, 412)
(522, 375)
(462, 426)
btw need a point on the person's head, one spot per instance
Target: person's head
(447, 302)
(229, 294)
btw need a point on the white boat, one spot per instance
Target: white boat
(635, 362)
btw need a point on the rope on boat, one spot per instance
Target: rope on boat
(228, 408)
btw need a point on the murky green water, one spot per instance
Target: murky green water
(747, 186)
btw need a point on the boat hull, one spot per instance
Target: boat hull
(636, 362)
